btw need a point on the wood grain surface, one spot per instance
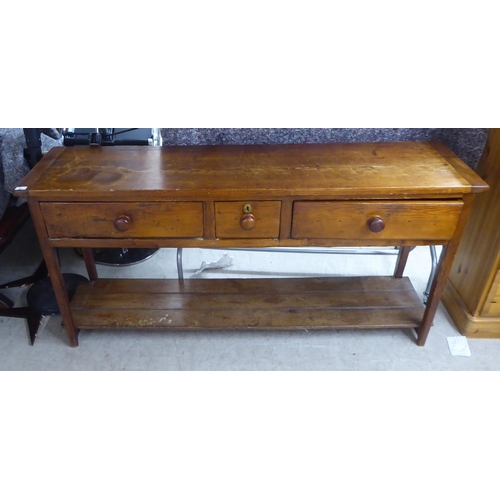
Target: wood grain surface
(357, 194)
(478, 256)
(147, 220)
(383, 170)
(303, 303)
(228, 217)
(345, 220)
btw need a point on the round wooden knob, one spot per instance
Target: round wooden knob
(247, 222)
(376, 224)
(122, 223)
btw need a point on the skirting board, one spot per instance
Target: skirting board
(468, 325)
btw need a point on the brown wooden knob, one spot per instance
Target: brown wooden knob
(122, 223)
(376, 224)
(247, 222)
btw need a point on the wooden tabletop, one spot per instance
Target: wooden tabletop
(361, 170)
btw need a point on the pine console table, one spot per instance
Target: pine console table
(321, 195)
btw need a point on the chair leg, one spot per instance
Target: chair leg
(8, 310)
(34, 319)
(5, 302)
(39, 274)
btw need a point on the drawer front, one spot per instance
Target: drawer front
(492, 304)
(427, 220)
(247, 219)
(124, 220)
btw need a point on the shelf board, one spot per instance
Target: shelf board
(248, 304)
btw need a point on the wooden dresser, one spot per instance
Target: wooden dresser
(377, 194)
(472, 294)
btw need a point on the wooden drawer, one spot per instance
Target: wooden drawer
(124, 220)
(417, 220)
(492, 304)
(247, 219)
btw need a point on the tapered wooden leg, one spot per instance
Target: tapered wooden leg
(55, 274)
(88, 257)
(57, 280)
(401, 262)
(436, 292)
(444, 268)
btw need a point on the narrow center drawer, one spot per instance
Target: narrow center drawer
(247, 219)
(417, 220)
(124, 220)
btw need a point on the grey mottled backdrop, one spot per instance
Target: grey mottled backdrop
(467, 143)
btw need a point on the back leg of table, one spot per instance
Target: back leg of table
(401, 261)
(88, 257)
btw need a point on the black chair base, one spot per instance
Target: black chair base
(33, 317)
(40, 297)
(121, 256)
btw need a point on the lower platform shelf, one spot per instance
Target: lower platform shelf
(243, 304)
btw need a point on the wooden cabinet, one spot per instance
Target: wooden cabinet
(371, 194)
(472, 294)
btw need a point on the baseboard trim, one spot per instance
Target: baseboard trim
(468, 325)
